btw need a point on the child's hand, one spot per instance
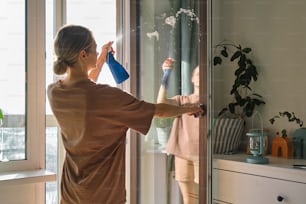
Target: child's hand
(168, 64)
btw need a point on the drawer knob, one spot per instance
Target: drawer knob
(280, 198)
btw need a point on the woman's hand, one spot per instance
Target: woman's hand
(103, 55)
(94, 73)
(168, 64)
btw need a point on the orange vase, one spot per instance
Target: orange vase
(282, 147)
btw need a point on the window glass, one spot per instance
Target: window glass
(169, 29)
(103, 26)
(100, 17)
(13, 80)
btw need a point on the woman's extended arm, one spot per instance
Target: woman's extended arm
(163, 110)
(94, 73)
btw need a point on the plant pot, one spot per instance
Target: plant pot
(299, 143)
(163, 136)
(227, 135)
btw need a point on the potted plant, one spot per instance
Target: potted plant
(296, 143)
(290, 116)
(1, 117)
(230, 123)
(163, 128)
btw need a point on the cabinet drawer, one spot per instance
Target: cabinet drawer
(241, 188)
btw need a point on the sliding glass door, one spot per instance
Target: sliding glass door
(171, 29)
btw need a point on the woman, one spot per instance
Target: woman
(94, 119)
(184, 139)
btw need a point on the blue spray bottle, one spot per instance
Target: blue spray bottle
(118, 71)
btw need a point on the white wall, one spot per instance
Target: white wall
(276, 32)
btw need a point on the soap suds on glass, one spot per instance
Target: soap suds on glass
(153, 34)
(171, 20)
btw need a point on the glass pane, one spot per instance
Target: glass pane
(104, 30)
(100, 17)
(12, 80)
(52, 163)
(169, 29)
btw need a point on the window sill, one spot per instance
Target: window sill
(26, 177)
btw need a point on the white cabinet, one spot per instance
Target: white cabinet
(237, 182)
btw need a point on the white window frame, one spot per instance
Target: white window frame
(35, 92)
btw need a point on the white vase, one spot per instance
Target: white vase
(163, 136)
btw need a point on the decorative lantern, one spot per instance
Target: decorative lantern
(256, 137)
(257, 144)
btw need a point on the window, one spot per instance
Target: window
(29, 135)
(12, 81)
(100, 17)
(103, 26)
(22, 57)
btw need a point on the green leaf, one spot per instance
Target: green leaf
(290, 116)
(256, 94)
(252, 71)
(217, 60)
(242, 102)
(248, 87)
(287, 114)
(247, 50)
(238, 71)
(222, 111)
(258, 102)
(1, 114)
(245, 79)
(231, 107)
(249, 109)
(224, 52)
(235, 55)
(242, 61)
(237, 96)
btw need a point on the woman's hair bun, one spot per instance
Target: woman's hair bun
(59, 67)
